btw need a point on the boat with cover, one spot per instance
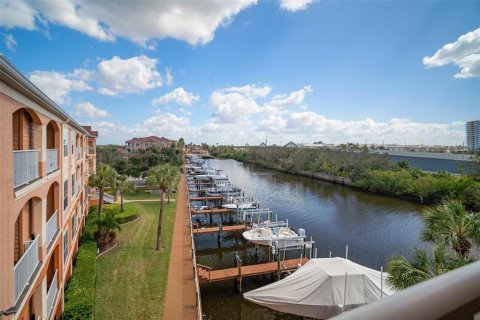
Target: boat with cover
(323, 288)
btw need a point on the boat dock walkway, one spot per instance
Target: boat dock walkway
(206, 211)
(207, 275)
(219, 229)
(206, 198)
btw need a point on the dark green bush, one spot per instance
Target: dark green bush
(80, 291)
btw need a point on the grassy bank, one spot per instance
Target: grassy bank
(131, 279)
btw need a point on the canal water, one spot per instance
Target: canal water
(374, 228)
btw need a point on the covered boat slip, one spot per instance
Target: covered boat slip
(323, 288)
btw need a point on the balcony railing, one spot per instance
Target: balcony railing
(79, 153)
(51, 294)
(25, 268)
(52, 227)
(91, 150)
(52, 157)
(25, 166)
(453, 295)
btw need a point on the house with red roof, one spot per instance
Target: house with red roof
(136, 144)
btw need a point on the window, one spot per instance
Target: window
(137, 144)
(73, 140)
(73, 185)
(73, 227)
(65, 142)
(65, 194)
(65, 246)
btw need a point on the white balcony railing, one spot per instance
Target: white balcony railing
(79, 153)
(51, 294)
(52, 157)
(25, 268)
(91, 150)
(52, 227)
(25, 166)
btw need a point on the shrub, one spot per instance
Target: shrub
(80, 292)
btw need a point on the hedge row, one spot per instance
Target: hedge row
(80, 292)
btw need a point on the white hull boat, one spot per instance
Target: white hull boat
(283, 236)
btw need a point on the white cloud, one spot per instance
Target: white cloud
(133, 75)
(71, 14)
(168, 77)
(247, 114)
(142, 22)
(88, 110)
(57, 86)
(250, 91)
(236, 104)
(179, 96)
(294, 98)
(16, 13)
(10, 42)
(294, 5)
(464, 52)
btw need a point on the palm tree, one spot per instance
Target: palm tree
(451, 225)
(122, 185)
(104, 227)
(172, 180)
(159, 176)
(103, 178)
(404, 273)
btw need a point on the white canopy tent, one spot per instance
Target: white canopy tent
(323, 288)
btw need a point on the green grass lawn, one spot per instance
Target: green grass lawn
(132, 278)
(141, 195)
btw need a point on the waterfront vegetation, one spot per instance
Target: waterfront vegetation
(132, 278)
(452, 231)
(372, 172)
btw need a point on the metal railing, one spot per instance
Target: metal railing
(453, 295)
(25, 268)
(25, 166)
(52, 227)
(194, 260)
(79, 153)
(52, 162)
(51, 294)
(91, 150)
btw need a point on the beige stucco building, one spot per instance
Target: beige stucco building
(46, 159)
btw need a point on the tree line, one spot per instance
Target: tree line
(368, 171)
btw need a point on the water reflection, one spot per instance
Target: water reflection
(374, 228)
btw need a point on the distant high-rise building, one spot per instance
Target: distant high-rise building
(473, 135)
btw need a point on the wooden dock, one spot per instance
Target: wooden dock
(206, 211)
(207, 275)
(205, 198)
(239, 227)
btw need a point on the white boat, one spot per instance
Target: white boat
(272, 236)
(240, 206)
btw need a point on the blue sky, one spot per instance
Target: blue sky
(236, 72)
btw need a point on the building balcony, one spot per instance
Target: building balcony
(25, 166)
(52, 227)
(52, 160)
(51, 294)
(79, 153)
(25, 268)
(91, 150)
